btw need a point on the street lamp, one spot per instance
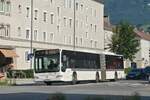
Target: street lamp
(31, 35)
(74, 29)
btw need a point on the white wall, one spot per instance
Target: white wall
(142, 56)
(93, 42)
(108, 35)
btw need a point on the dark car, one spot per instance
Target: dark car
(136, 74)
(147, 72)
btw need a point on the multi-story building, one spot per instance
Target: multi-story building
(108, 32)
(63, 24)
(142, 57)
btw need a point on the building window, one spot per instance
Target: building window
(95, 28)
(91, 42)
(44, 36)
(70, 3)
(2, 30)
(7, 6)
(7, 33)
(65, 21)
(65, 3)
(35, 14)
(70, 23)
(44, 16)
(95, 13)
(51, 1)
(19, 8)
(81, 7)
(35, 34)
(81, 41)
(91, 11)
(27, 57)
(69, 39)
(52, 18)
(27, 34)
(77, 6)
(19, 31)
(58, 11)
(76, 40)
(28, 11)
(58, 28)
(86, 34)
(91, 26)
(51, 36)
(1, 5)
(95, 44)
(86, 18)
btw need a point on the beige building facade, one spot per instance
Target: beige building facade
(62, 24)
(142, 57)
(108, 32)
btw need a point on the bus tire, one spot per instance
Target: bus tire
(97, 77)
(48, 83)
(74, 78)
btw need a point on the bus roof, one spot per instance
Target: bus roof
(101, 52)
(111, 53)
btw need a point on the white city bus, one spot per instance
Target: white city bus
(114, 66)
(56, 65)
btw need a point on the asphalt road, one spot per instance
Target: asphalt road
(112, 90)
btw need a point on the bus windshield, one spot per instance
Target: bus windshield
(49, 63)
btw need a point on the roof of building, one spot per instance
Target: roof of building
(100, 1)
(107, 25)
(142, 35)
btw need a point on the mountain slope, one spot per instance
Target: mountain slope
(134, 11)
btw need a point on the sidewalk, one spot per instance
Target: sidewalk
(24, 81)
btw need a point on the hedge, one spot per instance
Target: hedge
(20, 74)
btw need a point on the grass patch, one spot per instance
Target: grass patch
(3, 82)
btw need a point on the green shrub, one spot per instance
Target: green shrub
(3, 82)
(20, 74)
(127, 70)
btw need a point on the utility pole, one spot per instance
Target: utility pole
(31, 35)
(74, 29)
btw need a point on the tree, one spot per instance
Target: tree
(124, 41)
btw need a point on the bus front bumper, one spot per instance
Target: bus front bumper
(48, 78)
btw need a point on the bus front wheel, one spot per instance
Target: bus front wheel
(74, 78)
(48, 83)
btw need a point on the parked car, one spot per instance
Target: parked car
(136, 74)
(147, 73)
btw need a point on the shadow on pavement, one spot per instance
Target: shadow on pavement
(59, 96)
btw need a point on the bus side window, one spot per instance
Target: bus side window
(72, 63)
(64, 63)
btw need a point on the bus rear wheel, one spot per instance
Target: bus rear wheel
(74, 79)
(97, 77)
